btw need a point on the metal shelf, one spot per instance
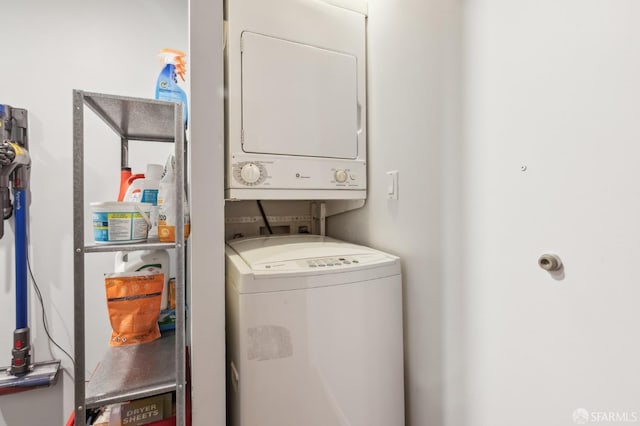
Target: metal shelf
(150, 245)
(134, 118)
(132, 372)
(135, 371)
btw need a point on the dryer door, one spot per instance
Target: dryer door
(298, 99)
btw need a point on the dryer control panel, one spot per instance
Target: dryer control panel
(288, 173)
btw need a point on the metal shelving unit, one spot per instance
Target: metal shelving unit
(136, 371)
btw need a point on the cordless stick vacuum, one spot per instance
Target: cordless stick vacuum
(15, 165)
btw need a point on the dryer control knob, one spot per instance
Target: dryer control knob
(250, 173)
(341, 176)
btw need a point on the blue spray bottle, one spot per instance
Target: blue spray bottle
(167, 88)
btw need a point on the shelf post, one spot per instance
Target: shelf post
(78, 256)
(181, 382)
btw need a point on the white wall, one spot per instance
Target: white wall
(413, 99)
(50, 48)
(552, 86)
(544, 160)
(207, 213)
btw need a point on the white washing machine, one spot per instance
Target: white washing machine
(314, 333)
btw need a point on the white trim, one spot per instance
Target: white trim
(360, 6)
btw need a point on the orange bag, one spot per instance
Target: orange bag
(133, 301)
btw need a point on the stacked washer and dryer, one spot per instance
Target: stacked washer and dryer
(314, 324)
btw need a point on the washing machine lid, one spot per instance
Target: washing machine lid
(259, 251)
(276, 263)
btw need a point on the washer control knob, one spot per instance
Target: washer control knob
(250, 173)
(341, 176)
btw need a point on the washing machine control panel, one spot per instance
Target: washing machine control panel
(324, 262)
(320, 263)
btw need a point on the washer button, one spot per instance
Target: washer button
(341, 176)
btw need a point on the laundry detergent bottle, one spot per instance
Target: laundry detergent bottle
(167, 88)
(146, 260)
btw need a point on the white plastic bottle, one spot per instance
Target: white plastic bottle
(146, 260)
(150, 189)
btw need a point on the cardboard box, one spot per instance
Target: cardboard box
(146, 410)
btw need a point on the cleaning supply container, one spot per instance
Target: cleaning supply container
(150, 194)
(146, 260)
(134, 188)
(167, 87)
(120, 222)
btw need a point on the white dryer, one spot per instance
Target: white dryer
(314, 333)
(295, 99)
